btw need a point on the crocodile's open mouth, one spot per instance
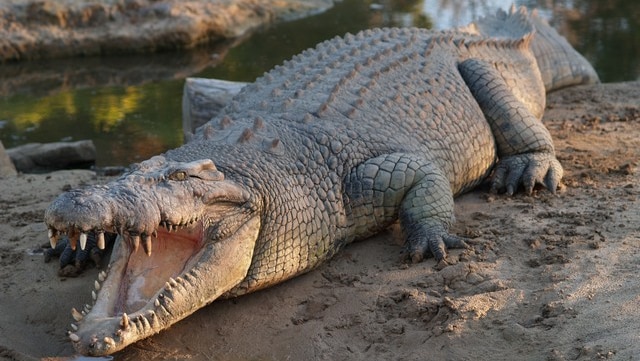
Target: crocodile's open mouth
(142, 294)
(138, 285)
(136, 279)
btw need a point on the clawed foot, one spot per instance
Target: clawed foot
(435, 241)
(527, 169)
(73, 262)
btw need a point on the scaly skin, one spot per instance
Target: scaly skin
(334, 146)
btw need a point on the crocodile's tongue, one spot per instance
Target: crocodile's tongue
(145, 275)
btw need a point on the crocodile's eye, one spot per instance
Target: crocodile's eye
(179, 175)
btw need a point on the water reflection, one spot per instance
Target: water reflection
(130, 105)
(607, 32)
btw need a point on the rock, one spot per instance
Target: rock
(38, 157)
(204, 98)
(7, 169)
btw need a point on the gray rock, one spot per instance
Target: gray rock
(38, 157)
(202, 99)
(7, 169)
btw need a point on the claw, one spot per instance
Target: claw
(554, 176)
(436, 241)
(498, 179)
(527, 169)
(514, 176)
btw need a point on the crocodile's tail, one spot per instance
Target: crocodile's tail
(559, 63)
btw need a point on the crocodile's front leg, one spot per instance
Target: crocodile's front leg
(525, 147)
(74, 257)
(405, 187)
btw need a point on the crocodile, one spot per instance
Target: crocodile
(335, 145)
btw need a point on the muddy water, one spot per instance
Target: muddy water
(130, 105)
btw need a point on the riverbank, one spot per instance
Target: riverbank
(549, 277)
(36, 29)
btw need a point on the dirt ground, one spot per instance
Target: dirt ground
(549, 277)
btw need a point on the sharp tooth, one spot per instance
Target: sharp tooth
(83, 241)
(94, 295)
(124, 322)
(135, 242)
(74, 337)
(96, 284)
(100, 240)
(102, 276)
(156, 303)
(147, 245)
(53, 237)
(109, 341)
(76, 315)
(164, 311)
(155, 234)
(152, 318)
(74, 327)
(144, 322)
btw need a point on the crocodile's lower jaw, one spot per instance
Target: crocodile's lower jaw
(135, 294)
(129, 308)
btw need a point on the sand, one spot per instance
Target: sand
(549, 277)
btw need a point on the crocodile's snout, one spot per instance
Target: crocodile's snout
(151, 197)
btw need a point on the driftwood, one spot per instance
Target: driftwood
(204, 98)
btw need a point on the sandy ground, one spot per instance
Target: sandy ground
(549, 277)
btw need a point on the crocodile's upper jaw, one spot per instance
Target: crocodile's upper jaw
(140, 295)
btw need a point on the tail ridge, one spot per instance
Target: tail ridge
(559, 63)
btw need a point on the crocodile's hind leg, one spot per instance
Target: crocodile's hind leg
(409, 188)
(525, 148)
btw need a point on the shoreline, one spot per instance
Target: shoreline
(44, 29)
